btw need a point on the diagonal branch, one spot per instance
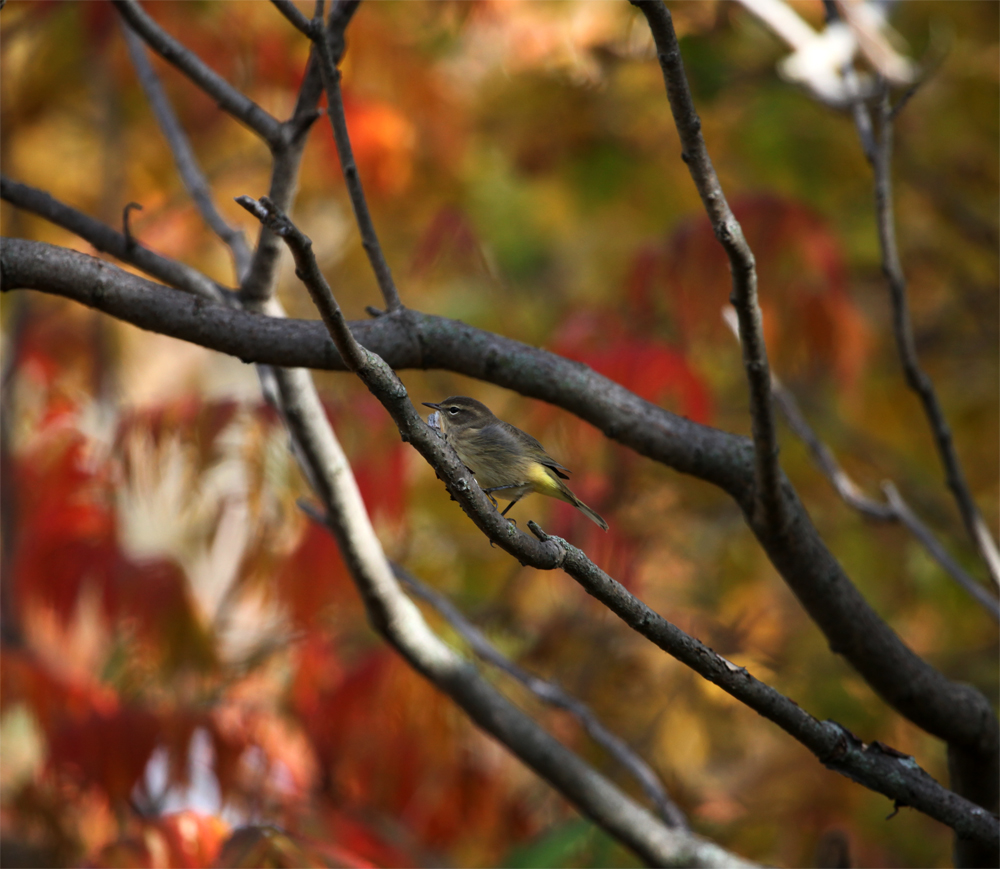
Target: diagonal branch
(916, 378)
(552, 694)
(769, 500)
(949, 710)
(895, 510)
(885, 771)
(919, 530)
(396, 617)
(229, 98)
(180, 146)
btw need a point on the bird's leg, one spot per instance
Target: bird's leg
(489, 492)
(511, 504)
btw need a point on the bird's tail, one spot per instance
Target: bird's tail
(547, 483)
(593, 515)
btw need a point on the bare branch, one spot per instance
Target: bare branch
(335, 111)
(897, 510)
(552, 694)
(259, 285)
(863, 638)
(409, 339)
(880, 770)
(916, 378)
(396, 617)
(231, 100)
(919, 530)
(180, 146)
(292, 13)
(309, 273)
(769, 500)
(108, 240)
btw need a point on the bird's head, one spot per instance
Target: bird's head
(460, 412)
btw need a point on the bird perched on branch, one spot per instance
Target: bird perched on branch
(507, 462)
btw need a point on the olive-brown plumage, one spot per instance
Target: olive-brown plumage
(508, 463)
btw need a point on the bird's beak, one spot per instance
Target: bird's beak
(428, 404)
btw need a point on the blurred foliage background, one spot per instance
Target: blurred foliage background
(184, 652)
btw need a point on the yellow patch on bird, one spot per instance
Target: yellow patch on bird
(544, 482)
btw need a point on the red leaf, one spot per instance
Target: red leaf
(314, 577)
(648, 368)
(53, 698)
(810, 321)
(193, 839)
(106, 749)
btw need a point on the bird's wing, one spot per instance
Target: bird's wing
(514, 436)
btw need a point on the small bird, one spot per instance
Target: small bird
(507, 462)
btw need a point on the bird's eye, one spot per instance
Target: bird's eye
(453, 410)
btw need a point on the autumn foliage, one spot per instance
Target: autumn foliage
(188, 678)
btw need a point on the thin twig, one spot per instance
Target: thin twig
(130, 241)
(108, 240)
(230, 99)
(552, 694)
(916, 378)
(917, 528)
(260, 283)
(888, 772)
(769, 498)
(338, 121)
(180, 146)
(828, 464)
(896, 510)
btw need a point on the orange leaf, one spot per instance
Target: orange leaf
(384, 144)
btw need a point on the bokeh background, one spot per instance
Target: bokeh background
(184, 652)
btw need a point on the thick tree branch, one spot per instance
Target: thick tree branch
(231, 100)
(180, 146)
(408, 339)
(770, 503)
(394, 616)
(952, 711)
(879, 769)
